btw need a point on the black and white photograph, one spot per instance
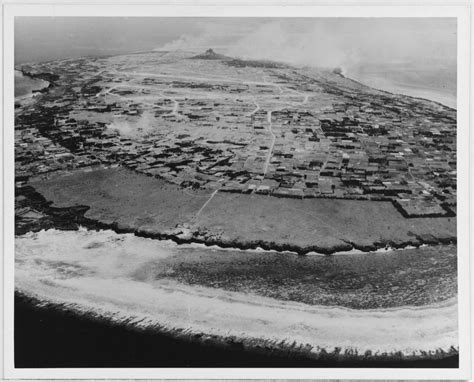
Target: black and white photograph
(236, 192)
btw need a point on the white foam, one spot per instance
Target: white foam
(98, 271)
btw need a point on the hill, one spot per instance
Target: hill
(210, 55)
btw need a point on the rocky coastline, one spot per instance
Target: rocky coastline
(71, 218)
(242, 349)
(278, 296)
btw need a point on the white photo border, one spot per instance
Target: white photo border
(461, 11)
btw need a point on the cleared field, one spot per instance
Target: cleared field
(318, 224)
(123, 197)
(134, 202)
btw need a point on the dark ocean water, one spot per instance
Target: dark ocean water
(50, 338)
(47, 337)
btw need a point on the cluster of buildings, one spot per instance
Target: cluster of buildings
(361, 146)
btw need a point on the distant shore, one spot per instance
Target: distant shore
(384, 83)
(118, 264)
(25, 85)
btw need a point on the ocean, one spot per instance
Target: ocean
(101, 299)
(48, 337)
(434, 80)
(25, 85)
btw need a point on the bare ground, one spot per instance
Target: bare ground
(147, 206)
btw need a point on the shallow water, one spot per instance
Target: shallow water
(25, 85)
(435, 81)
(146, 282)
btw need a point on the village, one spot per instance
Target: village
(273, 131)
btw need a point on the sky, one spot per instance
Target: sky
(326, 42)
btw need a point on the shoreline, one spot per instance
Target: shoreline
(140, 287)
(312, 280)
(41, 88)
(277, 352)
(85, 284)
(48, 322)
(48, 80)
(348, 76)
(182, 231)
(258, 246)
(71, 218)
(268, 246)
(352, 77)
